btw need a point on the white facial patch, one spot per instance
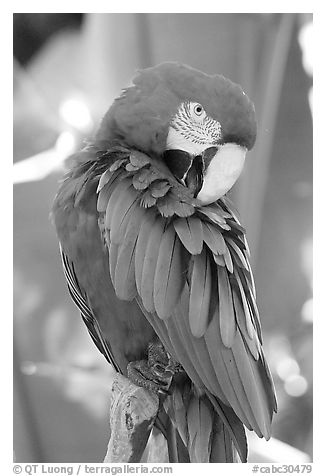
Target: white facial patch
(176, 140)
(223, 171)
(192, 130)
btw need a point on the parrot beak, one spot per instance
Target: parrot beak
(195, 175)
(186, 168)
(189, 169)
(209, 175)
(194, 178)
(222, 168)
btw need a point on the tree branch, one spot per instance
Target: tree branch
(133, 412)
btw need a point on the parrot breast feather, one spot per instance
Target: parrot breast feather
(187, 266)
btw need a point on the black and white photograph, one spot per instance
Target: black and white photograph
(162, 241)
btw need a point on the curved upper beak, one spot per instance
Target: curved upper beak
(222, 170)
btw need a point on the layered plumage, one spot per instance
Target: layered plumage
(145, 260)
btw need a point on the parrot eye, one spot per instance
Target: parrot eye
(198, 109)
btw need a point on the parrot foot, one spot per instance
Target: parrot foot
(155, 374)
(160, 360)
(145, 376)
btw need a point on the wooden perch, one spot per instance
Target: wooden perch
(133, 412)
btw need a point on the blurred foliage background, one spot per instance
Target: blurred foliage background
(67, 70)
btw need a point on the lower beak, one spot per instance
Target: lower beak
(195, 175)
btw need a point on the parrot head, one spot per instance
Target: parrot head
(200, 125)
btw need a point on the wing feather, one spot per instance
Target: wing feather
(104, 179)
(190, 232)
(214, 239)
(252, 343)
(247, 313)
(193, 422)
(124, 208)
(102, 200)
(204, 432)
(111, 195)
(247, 298)
(221, 444)
(180, 326)
(199, 420)
(176, 406)
(181, 351)
(124, 278)
(256, 394)
(80, 299)
(141, 246)
(196, 348)
(226, 311)
(228, 260)
(169, 278)
(148, 274)
(237, 253)
(226, 373)
(200, 294)
(113, 257)
(219, 259)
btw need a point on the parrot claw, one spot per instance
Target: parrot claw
(143, 375)
(155, 374)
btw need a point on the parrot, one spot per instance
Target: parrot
(157, 261)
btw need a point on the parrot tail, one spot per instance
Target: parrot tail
(206, 428)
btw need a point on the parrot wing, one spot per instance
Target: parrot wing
(188, 267)
(79, 297)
